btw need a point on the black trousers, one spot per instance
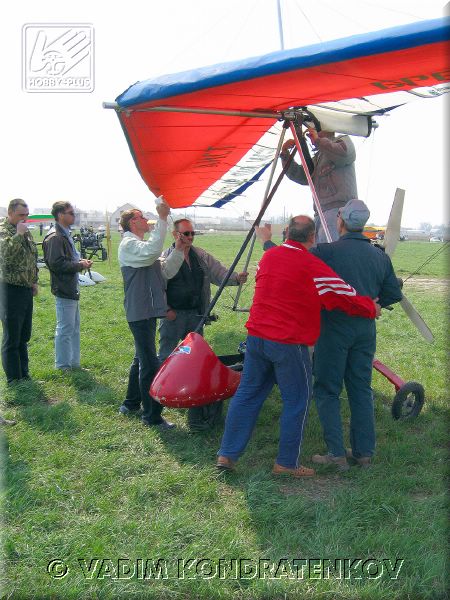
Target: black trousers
(144, 367)
(16, 313)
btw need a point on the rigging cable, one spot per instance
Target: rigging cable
(428, 260)
(308, 20)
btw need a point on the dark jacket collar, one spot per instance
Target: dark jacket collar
(354, 235)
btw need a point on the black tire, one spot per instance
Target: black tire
(408, 401)
(104, 254)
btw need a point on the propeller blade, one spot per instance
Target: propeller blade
(391, 239)
(416, 319)
(392, 233)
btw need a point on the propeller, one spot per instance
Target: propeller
(391, 238)
(416, 319)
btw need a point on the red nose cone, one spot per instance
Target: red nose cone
(193, 376)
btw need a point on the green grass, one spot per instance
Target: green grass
(409, 256)
(84, 486)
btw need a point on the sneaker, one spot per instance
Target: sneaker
(328, 459)
(224, 463)
(163, 424)
(124, 410)
(166, 425)
(4, 421)
(297, 472)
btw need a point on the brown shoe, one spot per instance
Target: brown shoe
(364, 461)
(328, 459)
(298, 472)
(225, 464)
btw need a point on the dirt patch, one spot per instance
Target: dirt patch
(440, 285)
(420, 496)
(52, 401)
(316, 488)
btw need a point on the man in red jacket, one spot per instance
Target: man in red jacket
(292, 286)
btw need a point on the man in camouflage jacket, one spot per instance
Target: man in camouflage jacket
(18, 285)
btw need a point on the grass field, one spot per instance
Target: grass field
(97, 506)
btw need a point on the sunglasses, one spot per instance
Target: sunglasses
(188, 233)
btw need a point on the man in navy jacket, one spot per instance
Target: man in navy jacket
(345, 350)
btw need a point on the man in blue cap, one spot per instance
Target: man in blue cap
(346, 347)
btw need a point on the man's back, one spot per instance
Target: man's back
(284, 288)
(367, 268)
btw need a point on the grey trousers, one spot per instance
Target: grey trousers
(200, 418)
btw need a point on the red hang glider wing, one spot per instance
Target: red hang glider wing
(181, 154)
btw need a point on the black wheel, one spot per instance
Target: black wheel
(408, 401)
(104, 254)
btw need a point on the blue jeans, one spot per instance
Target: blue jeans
(144, 367)
(265, 364)
(67, 336)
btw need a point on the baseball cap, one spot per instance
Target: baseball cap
(354, 214)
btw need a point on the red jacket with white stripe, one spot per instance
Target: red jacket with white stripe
(292, 286)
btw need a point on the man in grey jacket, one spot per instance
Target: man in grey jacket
(332, 170)
(145, 301)
(188, 296)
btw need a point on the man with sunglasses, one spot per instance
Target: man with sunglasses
(188, 296)
(64, 263)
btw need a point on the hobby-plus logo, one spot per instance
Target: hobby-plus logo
(58, 57)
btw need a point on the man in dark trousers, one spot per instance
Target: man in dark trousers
(188, 296)
(18, 285)
(292, 286)
(145, 301)
(346, 347)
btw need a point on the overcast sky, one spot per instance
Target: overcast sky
(65, 146)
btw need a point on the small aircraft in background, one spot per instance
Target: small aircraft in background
(374, 232)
